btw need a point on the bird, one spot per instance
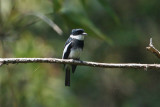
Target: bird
(72, 50)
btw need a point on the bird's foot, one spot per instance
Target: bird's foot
(78, 60)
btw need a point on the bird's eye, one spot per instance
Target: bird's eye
(79, 32)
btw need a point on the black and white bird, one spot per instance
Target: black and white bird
(72, 50)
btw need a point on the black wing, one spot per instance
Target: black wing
(67, 49)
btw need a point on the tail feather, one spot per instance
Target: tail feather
(67, 77)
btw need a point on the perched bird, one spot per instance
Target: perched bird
(72, 50)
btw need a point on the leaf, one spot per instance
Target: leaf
(77, 18)
(78, 21)
(57, 5)
(109, 10)
(48, 21)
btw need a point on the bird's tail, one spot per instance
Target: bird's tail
(67, 77)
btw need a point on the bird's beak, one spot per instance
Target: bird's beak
(84, 33)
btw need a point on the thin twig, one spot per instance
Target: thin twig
(152, 49)
(77, 62)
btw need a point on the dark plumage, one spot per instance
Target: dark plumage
(72, 50)
(77, 31)
(74, 44)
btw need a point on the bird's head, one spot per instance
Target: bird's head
(78, 34)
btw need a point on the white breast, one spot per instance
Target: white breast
(75, 53)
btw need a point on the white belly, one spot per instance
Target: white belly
(75, 53)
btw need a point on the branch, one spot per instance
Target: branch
(77, 62)
(152, 49)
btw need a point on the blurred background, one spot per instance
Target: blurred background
(118, 32)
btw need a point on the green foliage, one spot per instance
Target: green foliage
(39, 28)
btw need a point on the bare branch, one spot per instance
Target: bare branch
(77, 62)
(152, 49)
